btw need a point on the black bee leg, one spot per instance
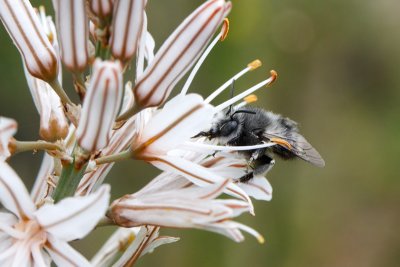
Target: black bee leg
(258, 153)
(262, 165)
(247, 177)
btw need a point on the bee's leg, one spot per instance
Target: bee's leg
(261, 166)
(258, 153)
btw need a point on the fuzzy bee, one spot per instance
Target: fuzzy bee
(245, 126)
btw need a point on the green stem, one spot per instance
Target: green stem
(68, 182)
(129, 113)
(114, 157)
(60, 92)
(22, 146)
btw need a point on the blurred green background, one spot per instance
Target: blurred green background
(338, 63)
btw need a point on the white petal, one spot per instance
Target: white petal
(40, 186)
(13, 193)
(158, 241)
(258, 187)
(181, 118)
(8, 127)
(109, 252)
(74, 217)
(64, 255)
(145, 233)
(40, 257)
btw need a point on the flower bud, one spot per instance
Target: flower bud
(21, 22)
(100, 105)
(101, 8)
(53, 123)
(179, 52)
(126, 28)
(73, 33)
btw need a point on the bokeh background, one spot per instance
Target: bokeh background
(338, 63)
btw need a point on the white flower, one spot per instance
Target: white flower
(8, 127)
(100, 106)
(33, 237)
(22, 24)
(185, 206)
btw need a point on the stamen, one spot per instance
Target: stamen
(251, 66)
(225, 29)
(220, 37)
(231, 101)
(227, 148)
(247, 100)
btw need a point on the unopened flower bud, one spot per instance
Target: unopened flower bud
(53, 123)
(100, 106)
(73, 33)
(101, 8)
(126, 28)
(179, 52)
(21, 22)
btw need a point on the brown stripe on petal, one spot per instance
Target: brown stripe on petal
(218, 189)
(103, 108)
(144, 145)
(15, 200)
(212, 162)
(150, 92)
(91, 102)
(72, 34)
(142, 246)
(159, 207)
(127, 28)
(258, 187)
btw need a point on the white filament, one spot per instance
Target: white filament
(199, 63)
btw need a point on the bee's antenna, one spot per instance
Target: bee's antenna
(232, 92)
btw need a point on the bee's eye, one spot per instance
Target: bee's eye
(228, 127)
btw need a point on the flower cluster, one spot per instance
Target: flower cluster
(119, 117)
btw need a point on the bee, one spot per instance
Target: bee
(248, 125)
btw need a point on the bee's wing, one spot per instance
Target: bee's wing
(301, 148)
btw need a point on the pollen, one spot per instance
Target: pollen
(254, 64)
(250, 99)
(224, 30)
